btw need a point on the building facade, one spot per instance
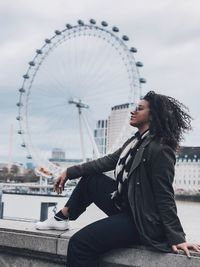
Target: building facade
(119, 129)
(187, 170)
(65, 163)
(100, 136)
(58, 154)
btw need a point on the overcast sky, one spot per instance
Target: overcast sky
(166, 34)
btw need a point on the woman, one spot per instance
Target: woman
(140, 203)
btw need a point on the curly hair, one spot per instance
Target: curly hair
(169, 118)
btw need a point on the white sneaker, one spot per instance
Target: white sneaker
(52, 224)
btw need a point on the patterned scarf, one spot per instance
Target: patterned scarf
(121, 172)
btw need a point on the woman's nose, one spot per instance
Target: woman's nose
(134, 111)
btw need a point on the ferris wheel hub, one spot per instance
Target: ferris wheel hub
(78, 103)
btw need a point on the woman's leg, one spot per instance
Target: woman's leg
(95, 189)
(90, 189)
(87, 245)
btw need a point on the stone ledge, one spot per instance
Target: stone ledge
(146, 257)
(22, 245)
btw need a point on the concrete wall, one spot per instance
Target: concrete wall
(23, 246)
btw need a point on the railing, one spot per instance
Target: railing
(43, 208)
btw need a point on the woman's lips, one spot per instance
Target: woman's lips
(133, 117)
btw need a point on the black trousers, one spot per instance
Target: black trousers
(116, 231)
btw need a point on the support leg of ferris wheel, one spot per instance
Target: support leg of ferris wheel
(95, 148)
(43, 182)
(80, 105)
(81, 134)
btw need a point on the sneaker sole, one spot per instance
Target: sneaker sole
(52, 228)
(58, 229)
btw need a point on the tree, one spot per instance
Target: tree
(31, 176)
(4, 171)
(4, 174)
(14, 170)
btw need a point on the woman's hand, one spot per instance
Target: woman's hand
(185, 247)
(60, 182)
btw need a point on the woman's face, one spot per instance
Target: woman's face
(140, 117)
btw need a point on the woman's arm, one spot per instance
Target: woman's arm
(100, 165)
(104, 164)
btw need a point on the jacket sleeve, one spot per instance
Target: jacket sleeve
(162, 179)
(104, 164)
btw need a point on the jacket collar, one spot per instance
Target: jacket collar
(141, 136)
(139, 153)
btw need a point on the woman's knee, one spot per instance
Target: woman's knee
(72, 243)
(75, 244)
(81, 243)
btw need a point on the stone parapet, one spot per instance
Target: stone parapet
(23, 246)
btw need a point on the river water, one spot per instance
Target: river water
(27, 207)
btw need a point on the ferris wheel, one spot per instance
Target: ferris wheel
(73, 81)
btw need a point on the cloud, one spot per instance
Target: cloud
(166, 34)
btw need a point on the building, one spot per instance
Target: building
(187, 170)
(100, 136)
(4, 165)
(8, 166)
(119, 129)
(30, 166)
(58, 158)
(65, 163)
(58, 154)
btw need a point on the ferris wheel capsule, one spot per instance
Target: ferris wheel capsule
(32, 63)
(92, 21)
(47, 41)
(19, 104)
(80, 22)
(69, 26)
(18, 118)
(22, 90)
(133, 50)
(39, 51)
(57, 32)
(115, 29)
(125, 38)
(26, 76)
(143, 80)
(104, 23)
(139, 64)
